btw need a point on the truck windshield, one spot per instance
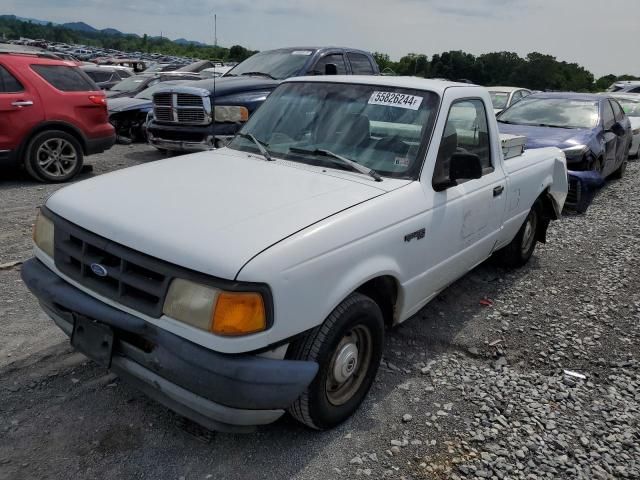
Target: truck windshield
(278, 64)
(552, 112)
(379, 127)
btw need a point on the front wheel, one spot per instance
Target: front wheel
(348, 349)
(521, 248)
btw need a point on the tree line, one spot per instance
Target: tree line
(536, 71)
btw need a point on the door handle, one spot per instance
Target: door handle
(497, 191)
(22, 103)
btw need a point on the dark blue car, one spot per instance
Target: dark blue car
(592, 130)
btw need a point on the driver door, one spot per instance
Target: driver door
(467, 217)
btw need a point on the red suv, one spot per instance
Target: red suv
(51, 115)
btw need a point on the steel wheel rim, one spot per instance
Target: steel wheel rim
(349, 365)
(529, 236)
(57, 157)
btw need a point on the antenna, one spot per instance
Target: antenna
(213, 98)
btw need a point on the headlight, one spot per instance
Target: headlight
(231, 114)
(217, 311)
(43, 234)
(576, 152)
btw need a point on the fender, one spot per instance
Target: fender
(360, 274)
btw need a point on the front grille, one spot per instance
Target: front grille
(164, 99)
(132, 278)
(190, 116)
(185, 108)
(188, 100)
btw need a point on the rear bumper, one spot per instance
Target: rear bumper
(219, 391)
(100, 144)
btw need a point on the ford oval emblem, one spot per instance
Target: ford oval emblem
(99, 270)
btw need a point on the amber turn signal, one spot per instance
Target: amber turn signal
(238, 313)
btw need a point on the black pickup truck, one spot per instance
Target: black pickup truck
(207, 113)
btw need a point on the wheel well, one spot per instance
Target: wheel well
(548, 213)
(384, 291)
(64, 127)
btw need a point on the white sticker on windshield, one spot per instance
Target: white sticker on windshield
(301, 52)
(394, 99)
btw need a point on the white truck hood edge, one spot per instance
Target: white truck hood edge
(210, 212)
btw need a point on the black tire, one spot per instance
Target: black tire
(521, 248)
(41, 162)
(320, 406)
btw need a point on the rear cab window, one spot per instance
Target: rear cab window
(360, 64)
(65, 78)
(9, 83)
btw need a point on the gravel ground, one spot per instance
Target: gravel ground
(527, 374)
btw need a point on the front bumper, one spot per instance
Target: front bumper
(190, 138)
(221, 392)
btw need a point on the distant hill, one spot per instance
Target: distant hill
(184, 41)
(80, 27)
(86, 28)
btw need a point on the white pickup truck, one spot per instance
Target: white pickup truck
(237, 284)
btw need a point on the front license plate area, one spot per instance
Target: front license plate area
(94, 339)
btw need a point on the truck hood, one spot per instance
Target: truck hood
(231, 85)
(123, 104)
(541, 137)
(210, 211)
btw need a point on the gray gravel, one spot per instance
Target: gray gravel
(540, 381)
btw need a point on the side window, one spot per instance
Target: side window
(608, 118)
(9, 83)
(525, 93)
(516, 96)
(617, 111)
(335, 58)
(466, 131)
(67, 79)
(634, 90)
(360, 64)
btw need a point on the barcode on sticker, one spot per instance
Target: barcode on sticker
(395, 99)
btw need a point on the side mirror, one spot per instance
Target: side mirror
(330, 69)
(464, 166)
(618, 129)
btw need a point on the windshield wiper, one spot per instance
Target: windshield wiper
(340, 160)
(265, 153)
(263, 74)
(505, 121)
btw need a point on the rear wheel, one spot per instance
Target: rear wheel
(53, 156)
(348, 349)
(521, 248)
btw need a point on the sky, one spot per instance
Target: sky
(601, 36)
